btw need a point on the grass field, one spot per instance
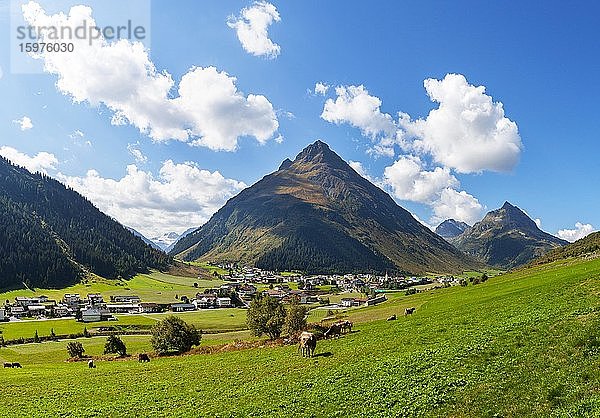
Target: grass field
(155, 287)
(522, 344)
(208, 319)
(55, 351)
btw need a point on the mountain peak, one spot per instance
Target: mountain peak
(451, 228)
(318, 216)
(318, 151)
(285, 164)
(508, 205)
(506, 238)
(515, 216)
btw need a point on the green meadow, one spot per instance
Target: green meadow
(208, 320)
(524, 344)
(154, 287)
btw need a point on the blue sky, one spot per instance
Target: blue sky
(540, 61)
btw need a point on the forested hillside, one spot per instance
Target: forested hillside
(50, 234)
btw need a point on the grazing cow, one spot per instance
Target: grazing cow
(16, 365)
(143, 358)
(91, 364)
(333, 331)
(8, 365)
(409, 311)
(345, 326)
(392, 318)
(307, 344)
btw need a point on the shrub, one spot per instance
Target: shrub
(295, 318)
(266, 315)
(115, 345)
(75, 349)
(172, 334)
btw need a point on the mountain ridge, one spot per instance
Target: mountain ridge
(588, 246)
(317, 214)
(506, 238)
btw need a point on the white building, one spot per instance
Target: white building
(95, 314)
(224, 302)
(124, 308)
(95, 298)
(71, 299)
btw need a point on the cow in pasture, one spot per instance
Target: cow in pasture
(16, 365)
(345, 326)
(91, 364)
(334, 331)
(307, 344)
(143, 358)
(8, 365)
(392, 318)
(409, 311)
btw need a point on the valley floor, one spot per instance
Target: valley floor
(521, 344)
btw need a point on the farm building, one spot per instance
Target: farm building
(182, 307)
(95, 314)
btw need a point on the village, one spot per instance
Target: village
(240, 286)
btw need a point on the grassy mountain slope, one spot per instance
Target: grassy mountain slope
(318, 215)
(50, 234)
(586, 247)
(524, 344)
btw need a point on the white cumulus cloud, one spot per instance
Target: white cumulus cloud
(41, 162)
(581, 231)
(355, 106)
(252, 28)
(321, 88)
(24, 123)
(409, 181)
(460, 206)
(181, 196)
(468, 131)
(206, 109)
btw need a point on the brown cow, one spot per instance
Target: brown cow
(334, 331)
(307, 344)
(345, 326)
(143, 358)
